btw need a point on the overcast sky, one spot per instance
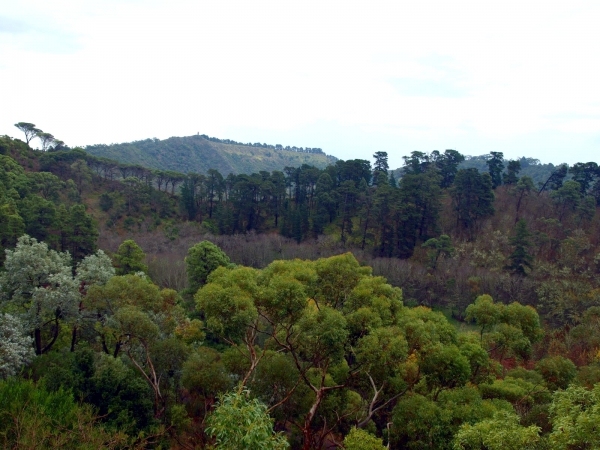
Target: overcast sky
(520, 77)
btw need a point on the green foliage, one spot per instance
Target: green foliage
(566, 198)
(420, 422)
(359, 439)
(495, 166)
(33, 417)
(12, 226)
(323, 343)
(202, 259)
(205, 375)
(129, 258)
(122, 399)
(509, 329)
(472, 197)
(240, 422)
(445, 367)
(519, 392)
(79, 233)
(439, 246)
(502, 432)
(311, 314)
(15, 346)
(510, 177)
(575, 413)
(144, 323)
(558, 372)
(485, 313)
(106, 202)
(520, 259)
(38, 283)
(229, 307)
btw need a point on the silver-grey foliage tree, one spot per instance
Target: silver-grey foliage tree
(38, 283)
(15, 346)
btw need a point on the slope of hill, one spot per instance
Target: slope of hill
(200, 153)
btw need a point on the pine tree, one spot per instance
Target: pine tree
(129, 258)
(520, 259)
(496, 166)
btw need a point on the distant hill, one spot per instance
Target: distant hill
(539, 172)
(531, 167)
(200, 153)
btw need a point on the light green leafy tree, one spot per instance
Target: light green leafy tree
(505, 330)
(313, 314)
(239, 422)
(575, 414)
(501, 432)
(33, 417)
(359, 439)
(145, 324)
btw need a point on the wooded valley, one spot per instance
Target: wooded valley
(453, 303)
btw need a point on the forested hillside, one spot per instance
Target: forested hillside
(308, 308)
(200, 153)
(531, 167)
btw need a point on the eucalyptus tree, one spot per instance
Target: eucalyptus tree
(241, 422)
(505, 330)
(136, 319)
(325, 344)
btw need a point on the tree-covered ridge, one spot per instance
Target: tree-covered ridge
(201, 153)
